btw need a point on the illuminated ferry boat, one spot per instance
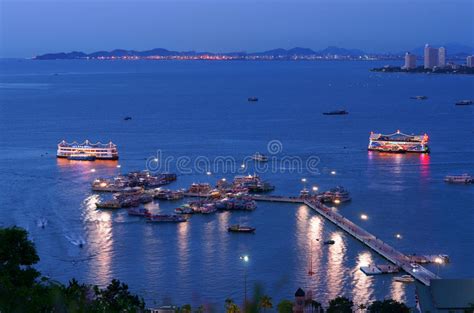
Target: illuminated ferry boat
(99, 151)
(398, 143)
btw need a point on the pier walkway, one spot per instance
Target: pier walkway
(401, 260)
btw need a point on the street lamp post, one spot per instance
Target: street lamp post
(245, 259)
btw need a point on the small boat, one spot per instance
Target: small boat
(162, 218)
(138, 212)
(81, 157)
(252, 99)
(259, 157)
(459, 179)
(329, 242)
(240, 229)
(464, 102)
(419, 97)
(404, 279)
(111, 204)
(127, 118)
(337, 112)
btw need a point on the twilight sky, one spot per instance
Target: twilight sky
(31, 27)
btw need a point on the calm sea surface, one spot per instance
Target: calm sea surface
(200, 110)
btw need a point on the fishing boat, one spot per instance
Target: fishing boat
(404, 279)
(259, 157)
(127, 118)
(419, 97)
(398, 142)
(163, 218)
(329, 242)
(336, 195)
(337, 112)
(100, 151)
(464, 102)
(81, 157)
(184, 209)
(252, 99)
(111, 204)
(240, 229)
(459, 179)
(138, 212)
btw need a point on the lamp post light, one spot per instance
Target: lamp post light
(438, 262)
(398, 236)
(245, 259)
(333, 172)
(364, 217)
(303, 180)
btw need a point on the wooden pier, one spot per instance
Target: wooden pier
(401, 260)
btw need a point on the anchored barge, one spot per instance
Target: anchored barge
(459, 179)
(162, 218)
(398, 143)
(240, 229)
(85, 150)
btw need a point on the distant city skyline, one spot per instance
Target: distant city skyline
(29, 28)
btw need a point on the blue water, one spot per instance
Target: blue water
(200, 110)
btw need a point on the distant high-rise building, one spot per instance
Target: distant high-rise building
(430, 57)
(470, 61)
(442, 57)
(410, 61)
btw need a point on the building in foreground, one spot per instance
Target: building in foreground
(446, 296)
(410, 61)
(470, 61)
(430, 57)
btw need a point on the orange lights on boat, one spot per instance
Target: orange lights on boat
(337, 201)
(103, 184)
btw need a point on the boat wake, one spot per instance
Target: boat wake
(42, 222)
(76, 240)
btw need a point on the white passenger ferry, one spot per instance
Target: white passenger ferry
(99, 151)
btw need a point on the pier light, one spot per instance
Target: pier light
(155, 159)
(315, 188)
(398, 236)
(303, 180)
(92, 170)
(223, 179)
(333, 172)
(337, 201)
(208, 173)
(438, 260)
(364, 217)
(242, 166)
(119, 166)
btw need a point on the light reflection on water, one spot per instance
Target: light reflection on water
(397, 291)
(336, 271)
(100, 241)
(362, 284)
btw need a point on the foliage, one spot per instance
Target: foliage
(340, 305)
(231, 307)
(265, 303)
(388, 306)
(22, 289)
(285, 306)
